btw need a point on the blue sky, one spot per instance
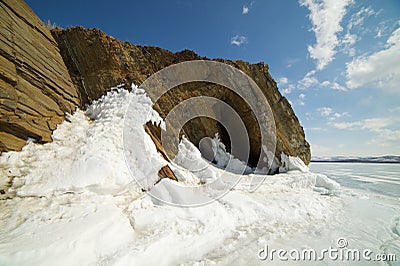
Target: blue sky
(337, 61)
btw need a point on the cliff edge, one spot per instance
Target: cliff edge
(35, 87)
(97, 62)
(45, 74)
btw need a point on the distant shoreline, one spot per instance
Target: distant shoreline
(351, 161)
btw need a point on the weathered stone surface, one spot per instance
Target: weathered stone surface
(154, 133)
(166, 172)
(35, 87)
(97, 62)
(39, 83)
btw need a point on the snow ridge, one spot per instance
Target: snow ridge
(76, 201)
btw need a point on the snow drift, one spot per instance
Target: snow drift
(76, 202)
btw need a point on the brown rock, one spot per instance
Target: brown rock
(44, 74)
(35, 86)
(166, 172)
(97, 62)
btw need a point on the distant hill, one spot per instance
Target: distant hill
(355, 159)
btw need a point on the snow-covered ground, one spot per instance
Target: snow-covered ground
(75, 202)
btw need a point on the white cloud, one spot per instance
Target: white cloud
(333, 85)
(357, 19)
(326, 83)
(346, 125)
(308, 80)
(325, 17)
(376, 124)
(325, 111)
(315, 129)
(301, 99)
(238, 40)
(328, 112)
(246, 9)
(380, 69)
(378, 33)
(385, 136)
(285, 86)
(338, 115)
(283, 81)
(337, 86)
(349, 39)
(348, 42)
(383, 29)
(288, 89)
(395, 110)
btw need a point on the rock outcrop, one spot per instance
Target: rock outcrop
(97, 62)
(44, 74)
(35, 87)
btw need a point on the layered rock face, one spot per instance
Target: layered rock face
(44, 74)
(35, 87)
(97, 62)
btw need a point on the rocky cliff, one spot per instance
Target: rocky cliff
(97, 62)
(44, 74)
(35, 87)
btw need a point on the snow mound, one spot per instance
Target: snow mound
(77, 203)
(87, 152)
(139, 150)
(227, 161)
(290, 163)
(190, 159)
(325, 182)
(194, 169)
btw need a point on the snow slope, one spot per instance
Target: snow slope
(76, 202)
